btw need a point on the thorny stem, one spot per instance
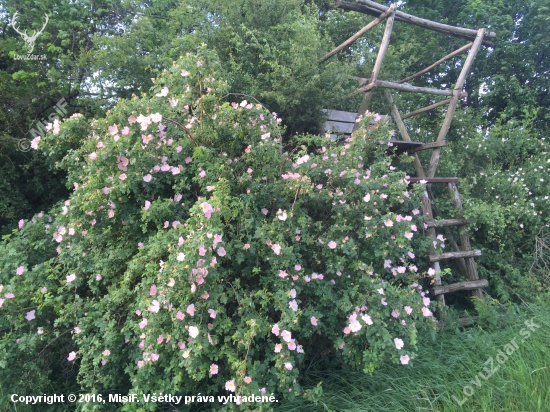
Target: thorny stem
(176, 123)
(295, 197)
(52, 341)
(236, 296)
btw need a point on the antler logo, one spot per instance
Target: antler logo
(29, 40)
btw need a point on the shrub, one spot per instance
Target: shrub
(196, 254)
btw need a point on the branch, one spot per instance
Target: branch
(176, 123)
(236, 296)
(295, 197)
(50, 342)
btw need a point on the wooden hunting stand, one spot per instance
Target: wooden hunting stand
(477, 38)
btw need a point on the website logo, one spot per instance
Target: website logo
(29, 39)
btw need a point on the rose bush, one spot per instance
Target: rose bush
(199, 253)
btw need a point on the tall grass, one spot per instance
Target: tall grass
(444, 366)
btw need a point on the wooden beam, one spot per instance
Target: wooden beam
(375, 13)
(432, 106)
(447, 222)
(403, 144)
(434, 161)
(384, 45)
(437, 63)
(428, 146)
(404, 88)
(356, 7)
(429, 24)
(433, 179)
(378, 63)
(455, 287)
(454, 255)
(403, 130)
(353, 38)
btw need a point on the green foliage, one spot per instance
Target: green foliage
(196, 252)
(451, 360)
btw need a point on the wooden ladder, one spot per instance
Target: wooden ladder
(477, 38)
(463, 254)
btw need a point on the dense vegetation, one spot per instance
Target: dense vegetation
(192, 146)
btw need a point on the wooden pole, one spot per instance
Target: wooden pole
(403, 130)
(428, 24)
(428, 215)
(430, 107)
(403, 87)
(360, 8)
(464, 238)
(437, 63)
(378, 63)
(434, 161)
(384, 45)
(353, 38)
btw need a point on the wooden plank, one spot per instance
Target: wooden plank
(353, 38)
(348, 117)
(434, 179)
(430, 145)
(432, 106)
(360, 8)
(447, 222)
(346, 127)
(340, 116)
(437, 63)
(403, 144)
(339, 127)
(455, 287)
(434, 160)
(454, 255)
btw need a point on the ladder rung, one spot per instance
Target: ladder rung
(426, 146)
(454, 255)
(447, 222)
(461, 322)
(455, 287)
(434, 179)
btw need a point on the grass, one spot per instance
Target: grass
(444, 366)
